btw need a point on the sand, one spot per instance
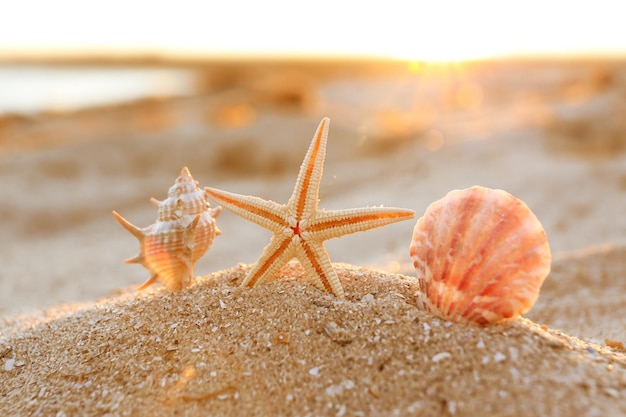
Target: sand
(286, 348)
(77, 339)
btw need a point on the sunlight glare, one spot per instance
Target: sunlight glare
(438, 31)
(442, 50)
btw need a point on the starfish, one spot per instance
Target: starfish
(299, 228)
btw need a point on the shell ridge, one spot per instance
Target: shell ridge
(480, 255)
(462, 212)
(516, 272)
(489, 268)
(434, 260)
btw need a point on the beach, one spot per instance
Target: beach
(76, 338)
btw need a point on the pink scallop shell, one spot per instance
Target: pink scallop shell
(481, 256)
(184, 231)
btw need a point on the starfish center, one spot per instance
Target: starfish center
(296, 229)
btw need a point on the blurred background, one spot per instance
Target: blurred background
(101, 105)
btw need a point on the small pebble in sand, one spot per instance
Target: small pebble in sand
(452, 407)
(440, 356)
(338, 334)
(615, 344)
(367, 298)
(282, 338)
(9, 364)
(481, 256)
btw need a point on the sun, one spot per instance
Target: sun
(442, 50)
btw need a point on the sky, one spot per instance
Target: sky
(417, 30)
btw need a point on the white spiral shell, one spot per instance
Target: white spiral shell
(184, 231)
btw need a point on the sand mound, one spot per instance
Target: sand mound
(286, 348)
(585, 294)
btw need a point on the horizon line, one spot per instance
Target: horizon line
(121, 56)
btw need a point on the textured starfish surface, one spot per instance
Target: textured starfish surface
(299, 228)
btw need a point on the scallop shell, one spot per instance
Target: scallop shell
(184, 231)
(481, 256)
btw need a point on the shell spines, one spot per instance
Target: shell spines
(184, 231)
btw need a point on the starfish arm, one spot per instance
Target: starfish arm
(314, 259)
(265, 213)
(303, 201)
(279, 251)
(337, 223)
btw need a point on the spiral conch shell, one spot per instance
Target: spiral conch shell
(184, 231)
(481, 256)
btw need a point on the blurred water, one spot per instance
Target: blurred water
(30, 89)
